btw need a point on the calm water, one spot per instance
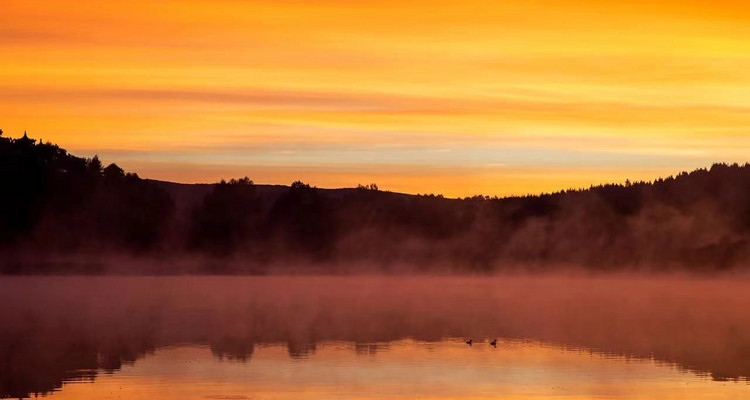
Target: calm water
(373, 337)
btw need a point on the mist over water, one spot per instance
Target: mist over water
(60, 328)
(62, 214)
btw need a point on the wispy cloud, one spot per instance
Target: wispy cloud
(489, 92)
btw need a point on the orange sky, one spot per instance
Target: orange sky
(422, 96)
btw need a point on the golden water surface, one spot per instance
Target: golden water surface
(374, 337)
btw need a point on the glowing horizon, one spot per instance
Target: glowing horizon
(420, 97)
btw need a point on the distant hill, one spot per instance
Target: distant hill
(64, 214)
(188, 195)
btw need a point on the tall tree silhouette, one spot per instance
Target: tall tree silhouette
(229, 218)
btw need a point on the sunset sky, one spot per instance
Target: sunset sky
(452, 97)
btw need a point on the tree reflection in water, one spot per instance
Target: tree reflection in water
(58, 329)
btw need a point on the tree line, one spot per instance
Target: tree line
(55, 204)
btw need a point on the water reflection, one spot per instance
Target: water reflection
(57, 330)
(408, 370)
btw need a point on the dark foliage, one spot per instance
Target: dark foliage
(51, 201)
(303, 221)
(228, 219)
(55, 203)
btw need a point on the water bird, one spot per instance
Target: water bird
(469, 342)
(493, 343)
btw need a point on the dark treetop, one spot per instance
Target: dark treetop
(57, 209)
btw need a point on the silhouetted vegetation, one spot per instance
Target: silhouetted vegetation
(228, 218)
(55, 204)
(51, 201)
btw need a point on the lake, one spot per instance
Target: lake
(355, 337)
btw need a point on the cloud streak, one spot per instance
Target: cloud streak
(568, 82)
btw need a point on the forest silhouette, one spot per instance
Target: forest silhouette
(57, 209)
